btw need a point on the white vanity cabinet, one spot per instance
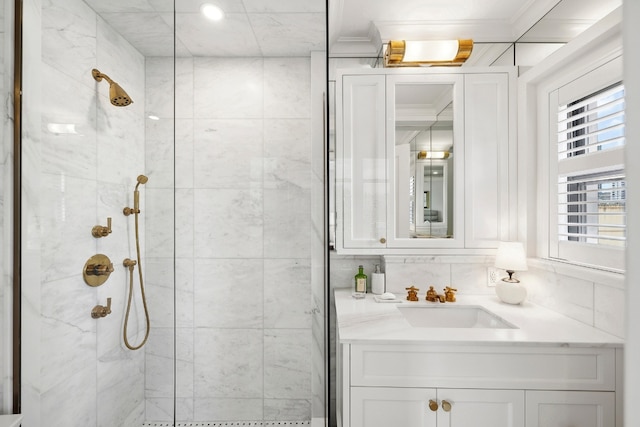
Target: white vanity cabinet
(382, 117)
(479, 385)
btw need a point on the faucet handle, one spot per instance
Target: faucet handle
(101, 231)
(450, 294)
(101, 311)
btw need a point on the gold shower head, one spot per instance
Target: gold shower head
(117, 95)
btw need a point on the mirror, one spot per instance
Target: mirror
(424, 147)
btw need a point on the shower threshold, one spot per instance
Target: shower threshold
(228, 424)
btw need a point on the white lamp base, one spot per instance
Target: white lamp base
(511, 293)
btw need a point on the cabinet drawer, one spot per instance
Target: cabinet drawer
(548, 368)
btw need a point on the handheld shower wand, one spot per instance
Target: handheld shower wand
(130, 264)
(142, 179)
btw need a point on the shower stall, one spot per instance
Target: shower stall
(225, 120)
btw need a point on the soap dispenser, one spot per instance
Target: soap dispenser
(377, 281)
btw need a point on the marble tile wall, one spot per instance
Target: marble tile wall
(75, 368)
(243, 233)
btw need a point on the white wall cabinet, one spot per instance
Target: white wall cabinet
(376, 213)
(481, 386)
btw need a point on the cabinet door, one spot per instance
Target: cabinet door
(361, 172)
(570, 408)
(490, 161)
(480, 408)
(392, 407)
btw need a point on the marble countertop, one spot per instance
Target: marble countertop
(370, 322)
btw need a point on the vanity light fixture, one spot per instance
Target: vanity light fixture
(212, 12)
(415, 53)
(511, 257)
(433, 154)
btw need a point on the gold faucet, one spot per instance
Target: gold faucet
(450, 294)
(412, 293)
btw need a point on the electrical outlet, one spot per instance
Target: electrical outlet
(492, 276)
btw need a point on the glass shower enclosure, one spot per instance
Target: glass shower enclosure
(226, 124)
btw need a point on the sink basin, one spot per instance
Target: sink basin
(448, 316)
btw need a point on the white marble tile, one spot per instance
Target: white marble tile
(68, 225)
(227, 409)
(191, 6)
(184, 158)
(228, 88)
(421, 275)
(159, 153)
(287, 222)
(159, 241)
(150, 32)
(160, 292)
(122, 62)
(227, 38)
(228, 293)
(286, 293)
(160, 83)
(120, 385)
(567, 295)
(470, 278)
(159, 409)
(283, 6)
(73, 154)
(610, 309)
(184, 220)
(121, 6)
(289, 34)
(287, 88)
(344, 268)
(78, 408)
(184, 88)
(68, 331)
(287, 409)
(159, 368)
(287, 363)
(229, 223)
(228, 363)
(287, 148)
(229, 153)
(69, 41)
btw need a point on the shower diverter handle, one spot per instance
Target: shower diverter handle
(99, 269)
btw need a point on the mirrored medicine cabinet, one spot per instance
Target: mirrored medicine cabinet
(422, 160)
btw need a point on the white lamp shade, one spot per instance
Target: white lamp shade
(511, 256)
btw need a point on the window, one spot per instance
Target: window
(591, 189)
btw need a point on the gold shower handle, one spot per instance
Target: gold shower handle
(101, 311)
(101, 231)
(99, 269)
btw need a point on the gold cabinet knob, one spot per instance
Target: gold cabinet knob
(433, 405)
(446, 406)
(383, 240)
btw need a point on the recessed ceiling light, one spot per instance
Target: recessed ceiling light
(212, 12)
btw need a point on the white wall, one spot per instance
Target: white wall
(243, 233)
(75, 371)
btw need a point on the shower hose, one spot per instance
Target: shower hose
(131, 265)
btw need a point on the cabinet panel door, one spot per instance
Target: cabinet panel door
(361, 171)
(570, 408)
(392, 407)
(481, 408)
(488, 184)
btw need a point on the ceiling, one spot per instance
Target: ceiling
(357, 28)
(250, 28)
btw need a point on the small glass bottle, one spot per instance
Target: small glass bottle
(361, 281)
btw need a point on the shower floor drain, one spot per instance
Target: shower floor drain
(230, 424)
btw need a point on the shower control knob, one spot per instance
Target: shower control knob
(101, 310)
(97, 269)
(101, 231)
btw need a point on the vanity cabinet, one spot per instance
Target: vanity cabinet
(480, 386)
(396, 129)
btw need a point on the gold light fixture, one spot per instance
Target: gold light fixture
(433, 154)
(411, 53)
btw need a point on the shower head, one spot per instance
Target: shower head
(117, 95)
(142, 179)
